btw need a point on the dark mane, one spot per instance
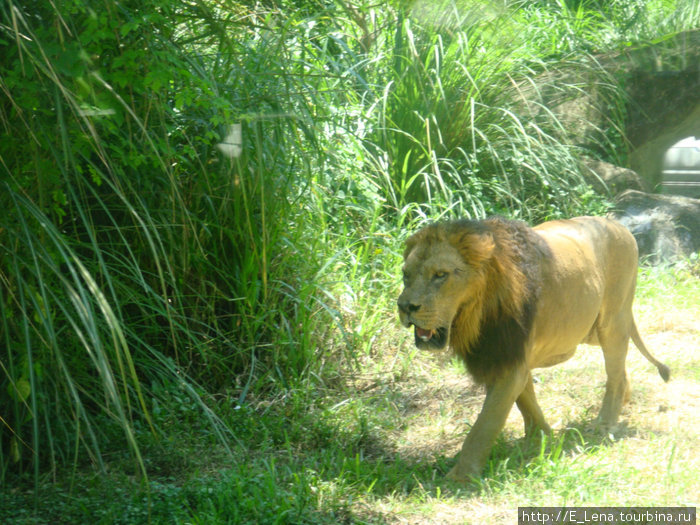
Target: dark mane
(513, 285)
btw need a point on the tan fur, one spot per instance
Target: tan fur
(579, 274)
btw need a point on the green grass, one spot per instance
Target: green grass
(373, 444)
(191, 336)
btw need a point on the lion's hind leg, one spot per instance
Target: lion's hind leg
(531, 411)
(617, 390)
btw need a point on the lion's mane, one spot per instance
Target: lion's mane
(490, 330)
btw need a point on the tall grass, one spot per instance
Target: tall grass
(454, 127)
(133, 253)
(209, 197)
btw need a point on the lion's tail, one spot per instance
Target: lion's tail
(664, 371)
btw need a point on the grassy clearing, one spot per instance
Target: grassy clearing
(373, 445)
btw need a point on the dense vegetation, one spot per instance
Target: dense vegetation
(202, 203)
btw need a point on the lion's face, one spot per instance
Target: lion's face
(436, 283)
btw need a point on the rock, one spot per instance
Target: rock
(667, 228)
(616, 179)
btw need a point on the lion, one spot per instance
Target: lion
(508, 298)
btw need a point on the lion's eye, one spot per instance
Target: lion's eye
(439, 275)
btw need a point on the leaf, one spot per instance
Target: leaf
(14, 450)
(22, 389)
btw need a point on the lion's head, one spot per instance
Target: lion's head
(445, 274)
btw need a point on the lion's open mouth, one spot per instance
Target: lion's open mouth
(430, 339)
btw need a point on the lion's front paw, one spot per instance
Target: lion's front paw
(461, 474)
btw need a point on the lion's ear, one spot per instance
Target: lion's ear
(427, 234)
(410, 244)
(476, 248)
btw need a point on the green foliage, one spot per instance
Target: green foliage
(209, 197)
(133, 251)
(452, 129)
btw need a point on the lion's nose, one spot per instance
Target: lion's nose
(407, 306)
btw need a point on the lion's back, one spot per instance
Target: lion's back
(598, 241)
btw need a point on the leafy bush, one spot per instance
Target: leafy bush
(133, 249)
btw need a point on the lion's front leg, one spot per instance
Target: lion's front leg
(476, 448)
